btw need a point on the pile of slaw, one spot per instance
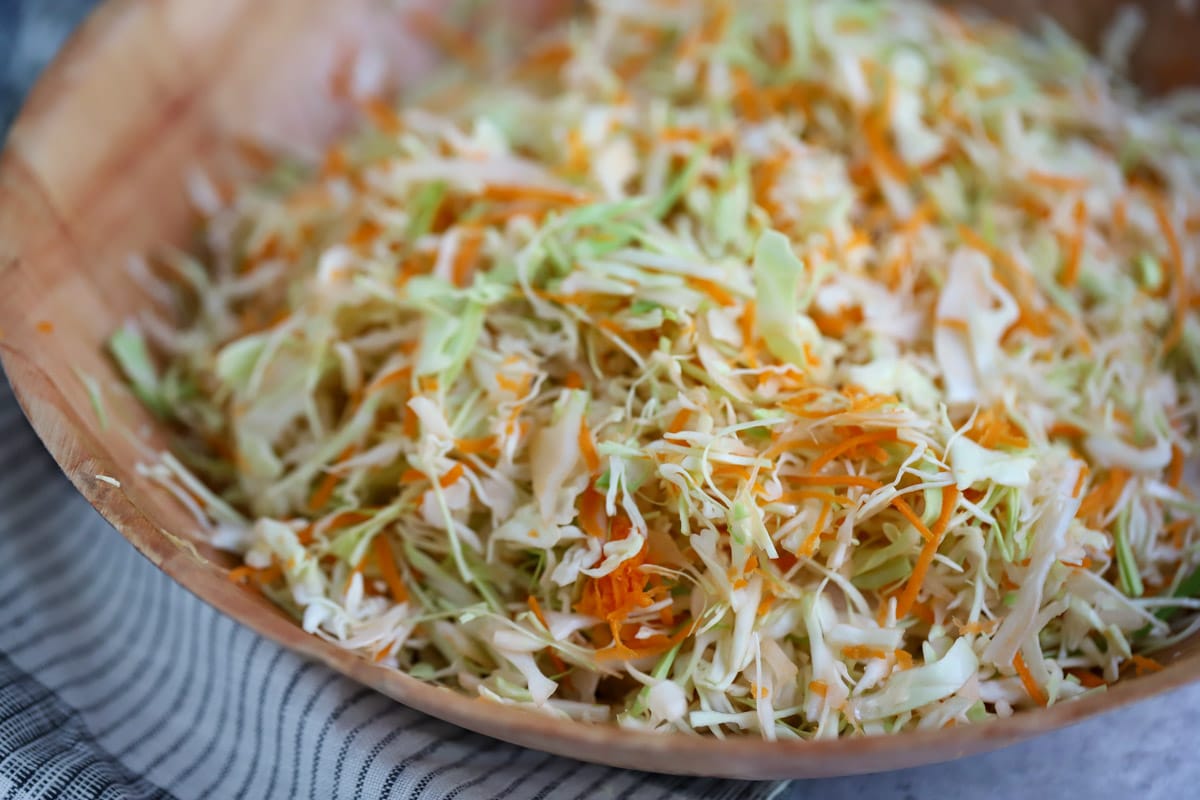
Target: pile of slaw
(798, 369)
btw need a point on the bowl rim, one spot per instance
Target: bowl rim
(744, 757)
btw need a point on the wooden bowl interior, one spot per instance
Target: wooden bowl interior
(95, 171)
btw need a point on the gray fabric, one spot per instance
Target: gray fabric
(117, 683)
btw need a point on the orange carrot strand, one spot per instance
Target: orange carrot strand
(908, 597)
(385, 560)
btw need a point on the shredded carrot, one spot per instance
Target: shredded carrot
(679, 421)
(979, 626)
(1175, 469)
(749, 336)
(1060, 183)
(923, 612)
(546, 58)
(628, 68)
(1163, 214)
(993, 428)
(714, 290)
(384, 653)
(819, 688)
(509, 193)
(385, 560)
(1031, 688)
(850, 444)
(451, 476)
(578, 157)
(613, 597)
(411, 424)
(509, 385)
(334, 162)
(341, 77)
(906, 510)
(809, 545)
(1080, 480)
(708, 33)
(839, 324)
(536, 608)
(871, 402)
(682, 134)
(858, 652)
(1033, 206)
(796, 495)
(766, 175)
(751, 101)
(467, 256)
(859, 238)
(881, 613)
(909, 596)
(1176, 531)
(876, 138)
(483, 444)
(1064, 430)
(587, 448)
(1105, 495)
(240, 574)
(383, 117)
(739, 471)
(336, 521)
(1145, 664)
(923, 214)
(390, 379)
(1088, 678)
(324, 491)
(876, 452)
(840, 480)
(954, 323)
(1070, 271)
(592, 515)
(261, 577)
(904, 659)
(412, 476)
(366, 233)
(45, 326)
(573, 380)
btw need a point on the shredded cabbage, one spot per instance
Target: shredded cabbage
(797, 369)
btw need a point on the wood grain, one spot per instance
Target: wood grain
(94, 172)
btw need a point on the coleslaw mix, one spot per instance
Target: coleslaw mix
(802, 369)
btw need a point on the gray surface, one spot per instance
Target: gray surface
(1144, 752)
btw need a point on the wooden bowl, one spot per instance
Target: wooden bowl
(94, 172)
